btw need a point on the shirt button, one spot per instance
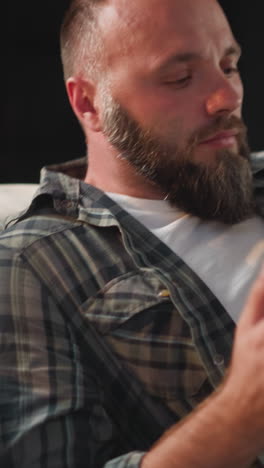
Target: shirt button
(164, 293)
(219, 360)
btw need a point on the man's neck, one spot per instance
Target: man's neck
(110, 173)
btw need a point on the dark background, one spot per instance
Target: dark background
(37, 124)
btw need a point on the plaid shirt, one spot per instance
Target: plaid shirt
(107, 337)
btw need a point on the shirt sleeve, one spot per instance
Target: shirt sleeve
(51, 412)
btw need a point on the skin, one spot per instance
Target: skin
(226, 431)
(161, 92)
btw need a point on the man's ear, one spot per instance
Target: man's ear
(81, 94)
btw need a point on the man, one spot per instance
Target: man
(121, 285)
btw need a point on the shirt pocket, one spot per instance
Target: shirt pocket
(136, 316)
(123, 298)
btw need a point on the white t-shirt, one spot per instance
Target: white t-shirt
(226, 258)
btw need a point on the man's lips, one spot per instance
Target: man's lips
(222, 139)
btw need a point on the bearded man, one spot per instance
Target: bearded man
(122, 285)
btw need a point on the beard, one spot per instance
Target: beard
(219, 191)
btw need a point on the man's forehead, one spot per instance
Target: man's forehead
(137, 12)
(128, 25)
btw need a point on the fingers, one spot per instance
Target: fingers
(254, 308)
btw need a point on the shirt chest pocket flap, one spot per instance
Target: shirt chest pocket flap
(138, 319)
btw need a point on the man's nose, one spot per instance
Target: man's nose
(225, 99)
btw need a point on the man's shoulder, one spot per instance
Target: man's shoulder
(22, 234)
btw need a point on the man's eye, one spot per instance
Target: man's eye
(231, 70)
(184, 81)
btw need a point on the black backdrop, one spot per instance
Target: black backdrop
(38, 126)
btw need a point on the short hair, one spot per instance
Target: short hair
(80, 39)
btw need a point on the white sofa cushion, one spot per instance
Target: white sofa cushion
(14, 198)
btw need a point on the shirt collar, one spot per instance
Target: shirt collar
(73, 197)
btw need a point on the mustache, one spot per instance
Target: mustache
(220, 124)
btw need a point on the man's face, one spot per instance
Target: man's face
(172, 106)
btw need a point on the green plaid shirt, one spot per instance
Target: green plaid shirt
(107, 337)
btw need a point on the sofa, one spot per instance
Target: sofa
(14, 199)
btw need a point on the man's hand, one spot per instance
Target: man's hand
(245, 381)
